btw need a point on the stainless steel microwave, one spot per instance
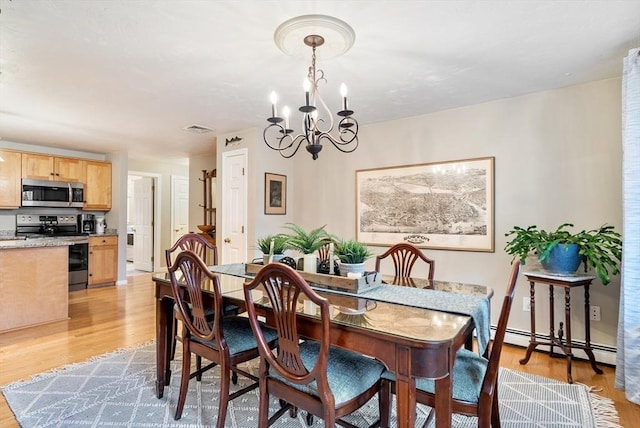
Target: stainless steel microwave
(42, 193)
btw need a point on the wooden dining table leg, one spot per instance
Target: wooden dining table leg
(405, 389)
(443, 402)
(406, 401)
(163, 339)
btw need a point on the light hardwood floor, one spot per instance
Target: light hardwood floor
(104, 319)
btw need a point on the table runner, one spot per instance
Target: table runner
(477, 307)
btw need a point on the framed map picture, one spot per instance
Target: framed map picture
(445, 205)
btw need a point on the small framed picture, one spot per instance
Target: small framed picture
(275, 193)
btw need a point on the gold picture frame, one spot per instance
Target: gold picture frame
(441, 205)
(275, 194)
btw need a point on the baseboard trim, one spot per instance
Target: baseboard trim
(122, 282)
(604, 354)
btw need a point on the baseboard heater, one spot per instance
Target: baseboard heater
(604, 354)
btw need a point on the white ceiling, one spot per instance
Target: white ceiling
(113, 75)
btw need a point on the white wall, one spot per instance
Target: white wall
(270, 161)
(558, 159)
(117, 217)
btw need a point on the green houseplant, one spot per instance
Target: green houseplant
(279, 245)
(307, 243)
(352, 252)
(302, 241)
(598, 249)
(352, 255)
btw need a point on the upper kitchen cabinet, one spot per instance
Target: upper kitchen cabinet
(97, 185)
(10, 173)
(45, 167)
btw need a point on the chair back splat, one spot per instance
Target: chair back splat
(194, 242)
(323, 251)
(404, 257)
(309, 374)
(193, 273)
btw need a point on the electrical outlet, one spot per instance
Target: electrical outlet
(594, 313)
(526, 304)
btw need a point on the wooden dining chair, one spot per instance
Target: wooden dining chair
(474, 378)
(203, 249)
(326, 381)
(226, 341)
(323, 251)
(404, 256)
(196, 243)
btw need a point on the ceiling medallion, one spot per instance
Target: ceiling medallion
(337, 34)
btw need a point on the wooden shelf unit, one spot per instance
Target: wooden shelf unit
(209, 211)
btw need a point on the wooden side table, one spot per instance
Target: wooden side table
(566, 282)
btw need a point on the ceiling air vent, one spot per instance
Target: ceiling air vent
(199, 129)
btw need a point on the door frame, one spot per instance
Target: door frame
(157, 203)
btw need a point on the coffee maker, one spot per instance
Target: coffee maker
(87, 223)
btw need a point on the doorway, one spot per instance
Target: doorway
(143, 200)
(234, 201)
(179, 206)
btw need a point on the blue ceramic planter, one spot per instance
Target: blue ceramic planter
(563, 259)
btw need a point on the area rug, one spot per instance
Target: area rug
(117, 390)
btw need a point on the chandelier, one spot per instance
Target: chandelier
(317, 121)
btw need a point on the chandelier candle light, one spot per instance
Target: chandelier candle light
(315, 128)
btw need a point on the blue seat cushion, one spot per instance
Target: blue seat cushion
(239, 336)
(349, 373)
(227, 308)
(468, 375)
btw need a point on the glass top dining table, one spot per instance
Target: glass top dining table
(401, 326)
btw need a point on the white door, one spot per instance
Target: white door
(143, 224)
(179, 207)
(234, 206)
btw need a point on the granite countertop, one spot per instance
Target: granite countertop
(107, 232)
(7, 234)
(32, 243)
(8, 240)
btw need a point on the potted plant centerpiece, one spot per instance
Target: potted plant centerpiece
(352, 255)
(562, 251)
(272, 245)
(306, 243)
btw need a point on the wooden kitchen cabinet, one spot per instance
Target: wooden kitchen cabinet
(45, 167)
(97, 188)
(103, 260)
(10, 173)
